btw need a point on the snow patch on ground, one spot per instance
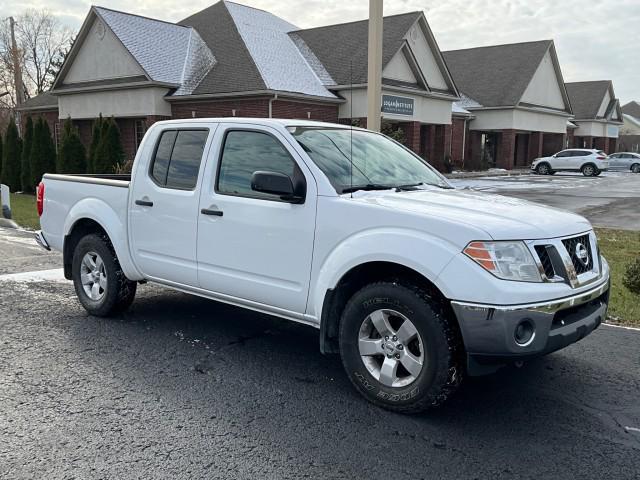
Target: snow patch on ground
(54, 275)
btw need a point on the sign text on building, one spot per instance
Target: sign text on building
(397, 105)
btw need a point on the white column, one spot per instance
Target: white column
(374, 81)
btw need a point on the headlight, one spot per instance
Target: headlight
(505, 260)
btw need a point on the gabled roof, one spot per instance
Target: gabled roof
(587, 97)
(632, 108)
(631, 119)
(168, 53)
(497, 75)
(342, 48)
(254, 52)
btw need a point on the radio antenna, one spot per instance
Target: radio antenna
(351, 128)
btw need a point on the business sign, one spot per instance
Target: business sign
(397, 105)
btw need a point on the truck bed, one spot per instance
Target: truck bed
(114, 180)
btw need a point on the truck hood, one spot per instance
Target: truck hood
(502, 218)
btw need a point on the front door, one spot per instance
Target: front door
(256, 246)
(164, 205)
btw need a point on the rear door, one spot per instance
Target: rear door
(580, 157)
(255, 247)
(163, 217)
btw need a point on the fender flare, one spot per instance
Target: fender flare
(427, 255)
(105, 216)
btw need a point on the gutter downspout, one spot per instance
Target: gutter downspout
(271, 100)
(464, 139)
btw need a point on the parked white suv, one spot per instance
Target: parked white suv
(414, 283)
(588, 161)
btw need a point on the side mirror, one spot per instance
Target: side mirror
(275, 183)
(554, 155)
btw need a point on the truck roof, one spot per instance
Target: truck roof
(286, 122)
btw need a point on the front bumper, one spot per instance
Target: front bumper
(489, 331)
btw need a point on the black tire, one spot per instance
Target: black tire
(635, 168)
(543, 169)
(119, 292)
(589, 170)
(598, 172)
(442, 368)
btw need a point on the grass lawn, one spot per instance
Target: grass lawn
(23, 210)
(619, 247)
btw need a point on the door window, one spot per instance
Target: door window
(563, 154)
(178, 157)
(246, 152)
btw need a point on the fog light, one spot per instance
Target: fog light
(525, 333)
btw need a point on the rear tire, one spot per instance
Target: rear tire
(543, 169)
(635, 168)
(416, 363)
(99, 281)
(589, 170)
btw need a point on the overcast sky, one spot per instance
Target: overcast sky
(595, 39)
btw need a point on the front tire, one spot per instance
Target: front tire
(99, 281)
(399, 349)
(635, 168)
(543, 169)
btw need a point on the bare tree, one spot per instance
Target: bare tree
(42, 44)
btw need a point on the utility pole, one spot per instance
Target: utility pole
(17, 74)
(374, 81)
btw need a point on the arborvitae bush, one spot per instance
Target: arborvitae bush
(11, 158)
(95, 141)
(72, 155)
(110, 152)
(25, 170)
(43, 152)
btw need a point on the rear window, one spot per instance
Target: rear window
(178, 156)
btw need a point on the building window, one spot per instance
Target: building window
(139, 131)
(56, 135)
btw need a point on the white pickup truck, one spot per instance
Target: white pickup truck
(414, 283)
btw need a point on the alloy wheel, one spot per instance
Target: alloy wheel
(391, 348)
(93, 276)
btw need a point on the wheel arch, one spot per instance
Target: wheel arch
(82, 220)
(357, 277)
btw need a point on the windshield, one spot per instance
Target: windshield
(378, 162)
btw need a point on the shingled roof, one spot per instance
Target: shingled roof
(342, 49)
(254, 52)
(586, 97)
(498, 75)
(43, 101)
(632, 108)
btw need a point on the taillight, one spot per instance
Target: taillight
(601, 158)
(40, 198)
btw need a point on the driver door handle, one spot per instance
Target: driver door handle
(144, 203)
(215, 213)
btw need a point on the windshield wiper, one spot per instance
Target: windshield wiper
(413, 186)
(367, 187)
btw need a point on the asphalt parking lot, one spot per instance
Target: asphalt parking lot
(182, 387)
(611, 200)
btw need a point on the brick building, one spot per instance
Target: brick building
(516, 104)
(597, 115)
(233, 60)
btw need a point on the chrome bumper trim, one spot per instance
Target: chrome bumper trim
(549, 307)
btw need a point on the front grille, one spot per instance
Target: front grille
(545, 260)
(570, 244)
